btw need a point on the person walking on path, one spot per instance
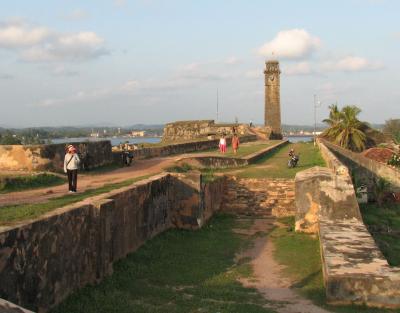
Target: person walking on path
(222, 144)
(71, 165)
(235, 143)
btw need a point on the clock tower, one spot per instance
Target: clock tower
(272, 99)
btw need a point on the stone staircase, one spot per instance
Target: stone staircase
(261, 198)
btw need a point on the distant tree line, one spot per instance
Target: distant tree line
(42, 135)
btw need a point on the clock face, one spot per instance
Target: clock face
(271, 77)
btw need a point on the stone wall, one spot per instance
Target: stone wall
(192, 130)
(195, 201)
(354, 269)
(179, 148)
(365, 170)
(51, 157)
(43, 261)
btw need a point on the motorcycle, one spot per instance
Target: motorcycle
(127, 157)
(294, 159)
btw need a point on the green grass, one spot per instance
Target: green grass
(26, 182)
(384, 225)
(176, 272)
(17, 213)
(182, 168)
(274, 165)
(300, 254)
(244, 149)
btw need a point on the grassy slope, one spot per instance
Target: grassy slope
(16, 213)
(275, 164)
(301, 256)
(26, 182)
(384, 225)
(176, 272)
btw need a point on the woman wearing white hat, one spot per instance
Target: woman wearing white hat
(71, 165)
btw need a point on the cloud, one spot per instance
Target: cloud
(352, 64)
(77, 15)
(67, 47)
(39, 44)
(19, 34)
(291, 44)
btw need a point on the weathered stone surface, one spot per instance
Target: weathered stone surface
(43, 261)
(259, 197)
(51, 157)
(194, 201)
(355, 271)
(272, 99)
(192, 130)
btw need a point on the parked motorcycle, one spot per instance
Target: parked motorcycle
(294, 159)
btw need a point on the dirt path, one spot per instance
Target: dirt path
(139, 168)
(268, 278)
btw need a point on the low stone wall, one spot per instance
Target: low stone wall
(51, 157)
(179, 148)
(355, 271)
(366, 170)
(43, 261)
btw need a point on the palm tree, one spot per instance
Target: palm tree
(345, 128)
(333, 121)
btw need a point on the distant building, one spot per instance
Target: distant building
(138, 133)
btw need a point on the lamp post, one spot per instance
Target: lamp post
(317, 104)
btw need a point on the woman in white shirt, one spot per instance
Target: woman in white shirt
(222, 144)
(71, 165)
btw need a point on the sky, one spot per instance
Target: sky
(123, 62)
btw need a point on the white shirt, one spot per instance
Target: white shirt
(73, 164)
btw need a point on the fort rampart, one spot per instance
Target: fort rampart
(354, 269)
(42, 261)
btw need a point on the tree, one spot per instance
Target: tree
(345, 129)
(333, 122)
(9, 139)
(392, 128)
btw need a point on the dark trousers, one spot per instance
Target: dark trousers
(72, 179)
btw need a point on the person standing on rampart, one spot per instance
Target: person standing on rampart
(71, 165)
(235, 143)
(222, 144)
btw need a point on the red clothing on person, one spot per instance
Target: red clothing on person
(235, 142)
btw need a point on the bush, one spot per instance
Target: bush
(394, 160)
